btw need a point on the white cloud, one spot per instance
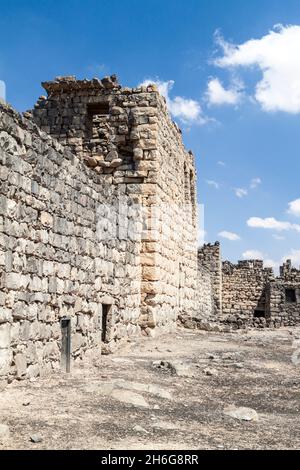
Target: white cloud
(217, 95)
(221, 163)
(278, 237)
(187, 110)
(213, 183)
(277, 56)
(294, 207)
(271, 223)
(255, 182)
(253, 254)
(229, 235)
(2, 90)
(240, 192)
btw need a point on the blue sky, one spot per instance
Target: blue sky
(238, 102)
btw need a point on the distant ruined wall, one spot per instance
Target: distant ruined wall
(209, 258)
(52, 262)
(243, 291)
(283, 297)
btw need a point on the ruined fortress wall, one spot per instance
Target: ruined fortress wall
(209, 258)
(134, 140)
(53, 263)
(113, 130)
(206, 294)
(176, 254)
(282, 311)
(244, 290)
(283, 297)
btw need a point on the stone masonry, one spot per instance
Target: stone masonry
(209, 259)
(283, 297)
(127, 134)
(251, 294)
(97, 223)
(243, 292)
(98, 232)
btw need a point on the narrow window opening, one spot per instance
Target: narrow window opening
(66, 344)
(290, 295)
(98, 109)
(96, 117)
(105, 322)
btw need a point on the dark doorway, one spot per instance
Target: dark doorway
(66, 344)
(105, 320)
(259, 314)
(290, 295)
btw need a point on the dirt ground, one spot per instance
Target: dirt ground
(129, 401)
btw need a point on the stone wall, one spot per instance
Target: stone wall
(54, 260)
(206, 294)
(283, 297)
(243, 291)
(97, 210)
(175, 285)
(209, 258)
(133, 138)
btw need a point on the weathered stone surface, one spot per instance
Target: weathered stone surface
(175, 367)
(4, 432)
(147, 388)
(36, 438)
(243, 294)
(21, 365)
(5, 361)
(210, 371)
(5, 316)
(140, 429)
(130, 398)
(5, 329)
(241, 413)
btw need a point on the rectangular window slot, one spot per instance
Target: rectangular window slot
(96, 114)
(65, 344)
(105, 321)
(98, 109)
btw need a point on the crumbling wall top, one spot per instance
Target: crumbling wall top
(109, 83)
(251, 265)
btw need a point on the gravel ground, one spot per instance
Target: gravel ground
(132, 400)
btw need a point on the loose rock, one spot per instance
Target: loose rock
(241, 413)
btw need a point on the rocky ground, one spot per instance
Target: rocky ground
(172, 392)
